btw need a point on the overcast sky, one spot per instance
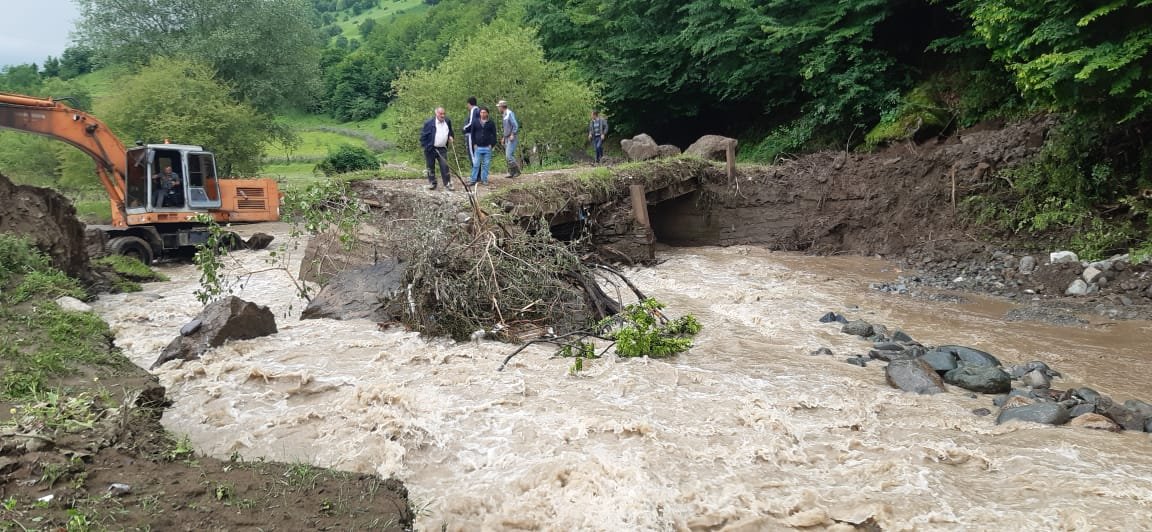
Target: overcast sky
(32, 30)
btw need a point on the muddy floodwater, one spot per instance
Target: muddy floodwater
(746, 431)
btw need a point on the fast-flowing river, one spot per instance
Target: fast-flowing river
(746, 431)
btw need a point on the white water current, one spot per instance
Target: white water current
(746, 431)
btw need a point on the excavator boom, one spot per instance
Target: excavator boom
(157, 192)
(51, 118)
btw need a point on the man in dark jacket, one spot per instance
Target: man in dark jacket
(469, 131)
(434, 139)
(484, 135)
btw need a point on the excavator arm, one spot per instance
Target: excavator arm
(50, 118)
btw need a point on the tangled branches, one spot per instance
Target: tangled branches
(508, 280)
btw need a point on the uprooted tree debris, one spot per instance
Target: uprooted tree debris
(471, 273)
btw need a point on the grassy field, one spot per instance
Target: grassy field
(386, 8)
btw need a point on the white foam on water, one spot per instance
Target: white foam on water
(746, 431)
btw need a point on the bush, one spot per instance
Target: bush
(347, 158)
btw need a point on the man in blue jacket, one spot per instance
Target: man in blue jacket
(434, 139)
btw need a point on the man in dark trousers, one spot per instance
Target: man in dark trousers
(434, 139)
(597, 132)
(469, 129)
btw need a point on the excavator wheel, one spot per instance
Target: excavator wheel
(131, 246)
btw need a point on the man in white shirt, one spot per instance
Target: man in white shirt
(434, 139)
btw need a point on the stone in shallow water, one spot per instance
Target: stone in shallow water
(1094, 422)
(983, 379)
(1046, 413)
(858, 328)
(913, 375)
(971, 356)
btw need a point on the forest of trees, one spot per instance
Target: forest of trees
(782, 75)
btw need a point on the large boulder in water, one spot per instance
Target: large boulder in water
(1046, 413)
(226, 319)
(361, 293)
(974, 357)
(913, 375)
(983, 379)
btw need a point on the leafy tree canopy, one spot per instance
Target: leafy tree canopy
(267, 50)
(544, 95)
(1089, 56)
(199, 110)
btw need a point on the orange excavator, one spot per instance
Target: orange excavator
(151, 218)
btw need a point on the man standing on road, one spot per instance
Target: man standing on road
(511, 135)
(484, 133)
(434, 139)
(597, 131)
(469, 129)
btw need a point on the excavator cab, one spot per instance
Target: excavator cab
(198, 188)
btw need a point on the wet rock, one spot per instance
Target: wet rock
(1016, 401)
(1148, 425)
(1027, 265)
(913, 375)
(983, 379)
(1088, 395)
(901, 336)
(1140, 407)
(72, 304)
(858, 328)
(1081, 409)
(879, 333)
(822, 351)
(889, 356)
(887, 346)
(1046, 413)
(258, 241)
(858, 361)
(361, 293)
(1023, 369)
(1094, 422)
(982, 412)
(1036, 379)
(971, 356)
(941, 361)
(191, 327)
(832, 317)
(230, 318)
(1060, 257)
(1127, 418)
(1077, 288)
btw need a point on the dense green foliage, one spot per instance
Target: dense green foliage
(198, 110)
(347, 158)
(1094, 57)
(544, 95)
(642, 330)
(267, 50)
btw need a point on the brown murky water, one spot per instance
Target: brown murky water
(744, 432)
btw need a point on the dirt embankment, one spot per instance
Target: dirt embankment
(87, 450)
(837, 202)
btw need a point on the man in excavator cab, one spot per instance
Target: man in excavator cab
(166, 187)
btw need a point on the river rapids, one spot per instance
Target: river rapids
(746, 431)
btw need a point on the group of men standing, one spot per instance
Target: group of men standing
(481, 138)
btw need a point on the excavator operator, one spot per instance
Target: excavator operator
(163, 183)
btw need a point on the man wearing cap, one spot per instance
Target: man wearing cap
(434, 139)
(511, 135)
